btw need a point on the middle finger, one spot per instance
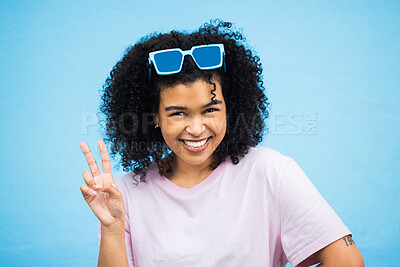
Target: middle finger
(105, 159)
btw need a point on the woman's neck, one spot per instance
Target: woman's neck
(188, 175)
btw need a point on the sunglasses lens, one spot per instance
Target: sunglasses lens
(207, 57)
(169, 61)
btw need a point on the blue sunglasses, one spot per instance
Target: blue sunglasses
(170, 61)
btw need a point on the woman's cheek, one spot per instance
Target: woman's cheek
(173, 127)
(219, 124)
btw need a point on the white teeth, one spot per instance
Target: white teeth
(195, 144)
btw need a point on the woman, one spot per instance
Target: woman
(200, 192)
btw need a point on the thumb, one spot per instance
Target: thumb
(112, 189)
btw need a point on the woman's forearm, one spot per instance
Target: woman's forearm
(112, 246)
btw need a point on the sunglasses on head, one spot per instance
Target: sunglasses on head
(170, 61)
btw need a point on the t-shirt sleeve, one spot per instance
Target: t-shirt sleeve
(308, 223)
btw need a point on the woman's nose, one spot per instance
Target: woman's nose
(196, 126)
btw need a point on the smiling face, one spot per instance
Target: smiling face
(191, 124)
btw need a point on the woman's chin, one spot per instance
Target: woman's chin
(195, 158)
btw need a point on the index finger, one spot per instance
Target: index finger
(90, 159)
(105, 159)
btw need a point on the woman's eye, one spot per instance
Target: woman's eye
(177, 114)
(211, 110)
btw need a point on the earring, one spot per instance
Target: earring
(156, 126)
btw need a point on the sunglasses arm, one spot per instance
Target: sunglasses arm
(149, 69)
(223, 62)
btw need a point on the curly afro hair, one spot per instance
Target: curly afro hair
(130, 98)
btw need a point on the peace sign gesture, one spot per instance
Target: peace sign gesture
(100, 191)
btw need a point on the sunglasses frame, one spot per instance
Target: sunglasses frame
(184, 53)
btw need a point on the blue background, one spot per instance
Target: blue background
(331, 72)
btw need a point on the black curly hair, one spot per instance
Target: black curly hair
(130, 98)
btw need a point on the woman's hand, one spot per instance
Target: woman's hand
(100, 191)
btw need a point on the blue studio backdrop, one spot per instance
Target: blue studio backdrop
(331, 72)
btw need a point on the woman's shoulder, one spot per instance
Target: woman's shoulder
(266, 155)
(132, 180)
(264, 161)
(125, 180)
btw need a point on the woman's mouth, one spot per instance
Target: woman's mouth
(195, 146)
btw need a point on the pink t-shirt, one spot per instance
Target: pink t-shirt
(263, 211)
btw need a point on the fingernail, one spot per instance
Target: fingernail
(98, 186)
(93, 192)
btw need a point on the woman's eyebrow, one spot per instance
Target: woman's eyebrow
(215, 102)
(175, 108)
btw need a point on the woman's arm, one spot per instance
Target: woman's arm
(105, 200)
(342, 252)
(112, 246)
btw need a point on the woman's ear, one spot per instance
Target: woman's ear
(156, 119)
